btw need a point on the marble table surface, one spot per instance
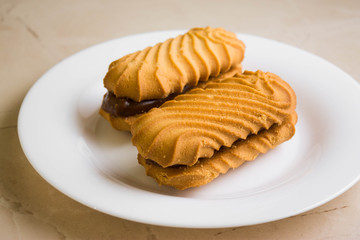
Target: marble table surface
(37, 34)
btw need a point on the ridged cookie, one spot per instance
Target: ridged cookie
(196, 124)
(207, 169)
(167, 67)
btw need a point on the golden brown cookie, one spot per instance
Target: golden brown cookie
(168, 68)
(198, 123)
(191, 140)
(207, 169)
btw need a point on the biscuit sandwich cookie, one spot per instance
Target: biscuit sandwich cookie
(148, 78)
(192, 139)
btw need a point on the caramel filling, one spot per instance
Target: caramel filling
(125, 107)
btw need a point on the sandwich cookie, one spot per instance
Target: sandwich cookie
(190, 140)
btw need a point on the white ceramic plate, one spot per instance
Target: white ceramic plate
(77, 151)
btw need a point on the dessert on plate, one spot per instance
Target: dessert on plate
(192, 112)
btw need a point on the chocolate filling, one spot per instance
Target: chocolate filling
(125, 107)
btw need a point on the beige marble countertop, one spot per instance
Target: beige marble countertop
(35, 35)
